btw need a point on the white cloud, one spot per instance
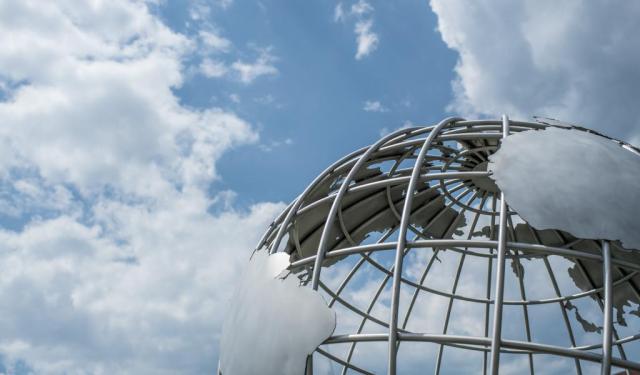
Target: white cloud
(361, 8)
(211, 44)
(269, 100)
(213, 68)
(546, 58)
(224, 4)
(366, 39)
(374, 106)
(248, 72)
(265, 99)
(234, 98)
(338, 13)
(274, 144)
(214, 42)
(200, 10)
(122, 273)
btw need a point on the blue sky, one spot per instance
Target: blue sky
(146, 145)
(316, 100)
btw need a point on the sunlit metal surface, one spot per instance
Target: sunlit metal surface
(429, 269)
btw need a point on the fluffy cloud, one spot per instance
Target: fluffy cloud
(366, 39)
(114, 260)
(546, 58)
(215, 42)
(201, 9)
(213, 68)
(374, 106)
(212, 45)
(248, 72)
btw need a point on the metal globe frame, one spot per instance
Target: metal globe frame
(449, 158)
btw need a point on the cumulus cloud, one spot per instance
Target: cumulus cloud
(201, 9)
(248, 72)
(114, 260)
(213, 47)
(374, 106)
(361, 8)
(338, 13)
(366, 39)
(546, 58)
(214, 41)
(213, 68)
(234, 98)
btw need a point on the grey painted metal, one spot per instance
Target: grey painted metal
(402, 239)
(309, 366)
(447, 174)
(454, 287)
(327, 231)
(496, 336)
(346, 364)
(608, 309)
(492, 235)
(525, 310)
(455, 244)
(284, 225)
(556, 289)
(454, 339)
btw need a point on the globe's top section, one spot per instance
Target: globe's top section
(454, 174)
(407, 239)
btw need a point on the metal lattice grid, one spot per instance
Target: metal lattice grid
(384, 219)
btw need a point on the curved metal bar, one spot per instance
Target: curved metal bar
(487, 306)
(345, 364)
(455, 286)
(608, 309)
(487, 244)
(358, 265)
(352, 307)
(395, 181)
(298, 201)
(274, 224)
(614, 342)
(382, 212)
(519, 267)
(449, 159)
(556, 288)
(364, 320)
(404, 222)
(388, 275)
(496, 336)
(536, 348)
(293, 207)
(326, 233)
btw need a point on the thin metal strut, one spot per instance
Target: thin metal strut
(402, 240)
(499, 286)
(607, 281)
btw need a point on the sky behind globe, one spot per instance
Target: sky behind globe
(146, 145)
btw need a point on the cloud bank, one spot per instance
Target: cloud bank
(561, 60)
(113, 259)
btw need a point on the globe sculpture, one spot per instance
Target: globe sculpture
(486, 246)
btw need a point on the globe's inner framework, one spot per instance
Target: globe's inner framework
(436, 311)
